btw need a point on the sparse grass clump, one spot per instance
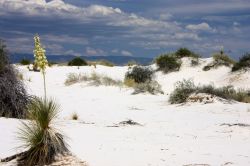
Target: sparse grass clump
(168, 63)
(153, 87)
(13, 96)
(92, 79)
(39, 136)
(244, 63)
(185, 88)
(77, 62)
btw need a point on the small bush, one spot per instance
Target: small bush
(183, 89)
(140, 74)
(168, 63)
(73, 78)
(243, 63)
(152, 87)
(184, 52)
(77, 62)
(25, 62)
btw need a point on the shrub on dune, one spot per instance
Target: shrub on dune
(168, 63)
(39, 136)
(25, 62)
(140, 74)
(243, 63)
(184, 52)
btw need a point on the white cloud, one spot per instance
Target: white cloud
(92, 51)
(126, 53)
(199, 27)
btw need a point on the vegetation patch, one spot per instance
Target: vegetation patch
(219, 59)
(142, 80)
(184, 52)
(185, 88)
(77, 62)
(168, 63)
(25, 62)
(244, 63)
(13, 96)
(92, 79)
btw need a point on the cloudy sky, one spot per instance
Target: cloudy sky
(126, 27)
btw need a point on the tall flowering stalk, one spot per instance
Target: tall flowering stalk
(40, 59)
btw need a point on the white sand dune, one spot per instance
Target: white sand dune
(169, 135)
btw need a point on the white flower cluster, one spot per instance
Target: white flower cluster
(39, 54)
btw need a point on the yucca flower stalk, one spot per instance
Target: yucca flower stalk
(40, 59)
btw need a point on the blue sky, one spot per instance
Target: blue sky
(126, 27)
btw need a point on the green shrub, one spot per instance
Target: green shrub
(140, 74)
(183, 89)
(219, 59)
(184, 52)
(25, 62)
(243, 63)
(167, 63)
(222, 59)
(105, 63)
(42, 141)
(77, 62)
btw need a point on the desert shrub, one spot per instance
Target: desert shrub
(42, 141)
(184, 52)
(13, 96)
(140, 74)
(77, 62)
(152, 87)
(219, 59)
(107, 81)
(167, 63)
(25, 62)
(194, 62)
(243, 63)
(222, 59)
(183, 89)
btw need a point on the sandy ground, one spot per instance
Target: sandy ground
(189, 134)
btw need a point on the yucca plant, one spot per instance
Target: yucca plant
(39, 135)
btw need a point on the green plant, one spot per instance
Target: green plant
(77, 62)
(39, 136)
(105, 63)
(13, 96)
(167, 63)
(182, 91)
(25, 62)
(243, 63)
(129, 82)
(140, 74)
(184, 52)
